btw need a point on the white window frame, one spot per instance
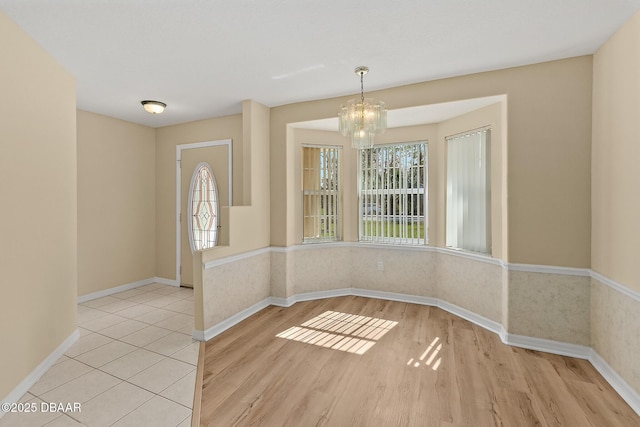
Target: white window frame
(327, 224)
(376, 216)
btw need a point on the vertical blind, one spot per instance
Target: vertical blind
(469, 191)
(321, 193)
(392, 191)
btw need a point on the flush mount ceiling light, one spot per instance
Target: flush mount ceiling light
(361, 119)
(153, 107)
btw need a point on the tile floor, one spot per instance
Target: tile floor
(133, 365)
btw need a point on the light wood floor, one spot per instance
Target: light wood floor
(431, 368)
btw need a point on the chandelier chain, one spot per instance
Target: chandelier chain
(362, 100)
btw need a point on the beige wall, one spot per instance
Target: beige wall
(548, 160)
(221, 292)
(615, 156)
(167, 138)
(38, 257)
(257, 120)
(248, 225)
(78, 213)
(116, 202)
(616, 201)
(492, 116)
(435, 135)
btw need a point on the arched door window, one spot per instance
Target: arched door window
(203, 208)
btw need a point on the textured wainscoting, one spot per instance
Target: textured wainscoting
(231, 287)
(549, 306)
(407, 272)
(319, 269)
(470, 283)
(559, 310)
(615, 330)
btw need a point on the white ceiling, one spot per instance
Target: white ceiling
(204, 57)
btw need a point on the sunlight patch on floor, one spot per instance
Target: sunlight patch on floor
(430, 355)
(340, 331)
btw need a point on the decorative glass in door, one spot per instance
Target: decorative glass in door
(203, 208)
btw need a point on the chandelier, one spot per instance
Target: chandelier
(361, 119)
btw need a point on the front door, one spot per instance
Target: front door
(217, 158)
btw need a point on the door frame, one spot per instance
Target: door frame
(191, 146)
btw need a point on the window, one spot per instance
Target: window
(393, 193)
(469, 191)
(203, 209)
(321, 183)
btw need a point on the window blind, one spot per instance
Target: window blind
(468, 217)
(321, 193)
(392, 192)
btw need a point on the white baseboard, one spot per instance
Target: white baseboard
(332, 293)
(472, 317)
(230, 321)
(282, 302)
(24, 386)
(163, 281)
(555, 347)
(115, 290)
(126, 287)
(393, 296)
(549, 346)
(625, 391)
(309, 296)
(434, 302)
(628, 394)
